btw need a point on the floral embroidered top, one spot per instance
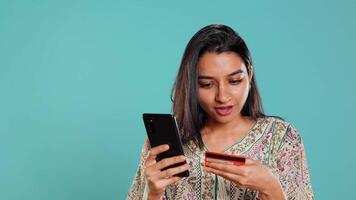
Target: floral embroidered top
(272, 141)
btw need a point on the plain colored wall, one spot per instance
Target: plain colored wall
(75, 77)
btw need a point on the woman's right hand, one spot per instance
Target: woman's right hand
(158, 180)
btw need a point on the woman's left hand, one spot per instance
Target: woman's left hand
(252, 175)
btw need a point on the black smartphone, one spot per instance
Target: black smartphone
(163, 129)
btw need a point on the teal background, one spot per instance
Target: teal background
(75, 77)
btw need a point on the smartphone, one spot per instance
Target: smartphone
(163, 129)
(224, 158)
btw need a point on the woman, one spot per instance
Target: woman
(218, 108)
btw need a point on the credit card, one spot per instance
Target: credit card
(224, 158)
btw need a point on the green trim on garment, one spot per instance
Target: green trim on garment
(165, 194)
(216, 187)
(270, 142)
(283, 138)
(248, 147)
(201, 180)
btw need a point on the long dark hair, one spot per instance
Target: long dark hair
(190, 116)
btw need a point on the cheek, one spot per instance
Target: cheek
(204, 98)
(241, 93)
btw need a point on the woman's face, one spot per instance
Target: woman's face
(223, 86)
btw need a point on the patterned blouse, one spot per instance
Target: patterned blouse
(272, 141)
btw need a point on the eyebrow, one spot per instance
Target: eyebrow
(231, 74)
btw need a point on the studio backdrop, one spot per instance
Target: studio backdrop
(76, 76)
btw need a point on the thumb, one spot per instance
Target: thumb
(251, 161)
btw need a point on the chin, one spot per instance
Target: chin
(223, 119)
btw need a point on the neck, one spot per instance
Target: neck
(219, 136)
(215, 126)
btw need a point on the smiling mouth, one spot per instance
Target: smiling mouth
(224, 110)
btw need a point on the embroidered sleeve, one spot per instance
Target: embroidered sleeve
(290, 165)
(139, 189)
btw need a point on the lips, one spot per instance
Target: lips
(224, 110)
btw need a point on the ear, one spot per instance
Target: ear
(251, 72)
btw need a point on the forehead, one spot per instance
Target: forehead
(213, 64)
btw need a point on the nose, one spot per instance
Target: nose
(222, 95)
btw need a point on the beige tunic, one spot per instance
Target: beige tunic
(272, 141)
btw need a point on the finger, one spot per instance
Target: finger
(149, 163)
(237, 179)
(159, 149)
(172, 180)
(173, 171)
(242, 170)
(214, 160)
(223, 167)
(169, 161)
(151, 159)
(250, 161)
(226, 175)
(163, 183)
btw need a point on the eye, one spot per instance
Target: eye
(205, 85)
(235, 81)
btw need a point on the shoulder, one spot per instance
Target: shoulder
(279, 124)
(283, 131)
